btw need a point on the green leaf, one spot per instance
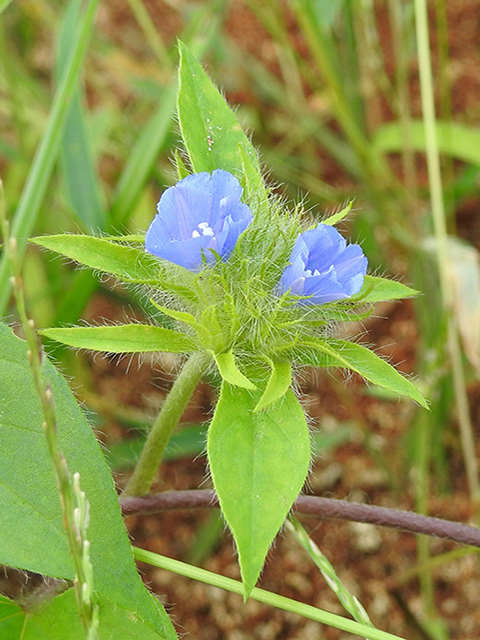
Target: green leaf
(256, 193)
(277, 386)
(58, 619)
(230, 372)
(453, 139)
(126, 263)
(348, 355)
(31, 527)
(126, 338)
(210, 131)
(259, 462)
(12, 619)
(379, 289)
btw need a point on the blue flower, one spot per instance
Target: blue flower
(200, 215)
(323, 267)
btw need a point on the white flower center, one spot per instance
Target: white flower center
(205, 230)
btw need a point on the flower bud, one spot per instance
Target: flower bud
(323, 268)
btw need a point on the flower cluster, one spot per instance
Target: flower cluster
(202, 216)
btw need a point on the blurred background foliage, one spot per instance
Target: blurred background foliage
(329, 92)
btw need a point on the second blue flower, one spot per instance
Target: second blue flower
(323, 267)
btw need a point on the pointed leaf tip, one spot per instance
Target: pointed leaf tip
(259, 462)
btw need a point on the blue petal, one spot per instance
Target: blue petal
(293, 277)
(323, 267)
(324, 288)
(351, 267)
(324, 243)
(198, 204)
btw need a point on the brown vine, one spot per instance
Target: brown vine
(320, 507)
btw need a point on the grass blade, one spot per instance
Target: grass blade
(4, 4)
(443, 258)
(77, 156)
(47, 151)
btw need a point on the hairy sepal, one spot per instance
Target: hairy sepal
(339, 216)
(127, 338)
(348, 355)
(127, 263)
(182, 316)
(259, 462)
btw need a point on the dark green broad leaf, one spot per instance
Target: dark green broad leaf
(58, 619)
(378, 289)
(31, 527)
(12, 619)
(128, 264)
(126, 338)
(211, 133)
(348, 355)
(259, 462)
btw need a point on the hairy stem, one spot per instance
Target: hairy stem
(171, 412)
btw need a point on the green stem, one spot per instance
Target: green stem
(171, 412)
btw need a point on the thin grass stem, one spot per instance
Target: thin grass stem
(348, 601)
(75, 506)
(152, 35)
(273, 599)
(399, 31)
(440, 231)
